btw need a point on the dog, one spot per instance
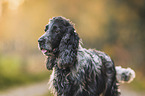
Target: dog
(78, 71)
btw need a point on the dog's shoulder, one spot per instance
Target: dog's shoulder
(86, 57)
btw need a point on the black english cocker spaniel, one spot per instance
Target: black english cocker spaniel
(78, 71)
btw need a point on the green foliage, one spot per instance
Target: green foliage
(10, 66)
(138, 84)
(11, 73)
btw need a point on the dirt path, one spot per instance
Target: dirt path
(41, 88)
(31, 90)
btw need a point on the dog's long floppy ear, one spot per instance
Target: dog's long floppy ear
(68, 48)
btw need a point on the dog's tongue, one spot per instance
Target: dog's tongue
(44, 51)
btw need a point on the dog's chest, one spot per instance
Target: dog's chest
(63, 82)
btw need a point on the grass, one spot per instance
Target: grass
(138, 84)
(13, 72)
(21, 79)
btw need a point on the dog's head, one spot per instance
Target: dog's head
(54, 32)
(59, 39)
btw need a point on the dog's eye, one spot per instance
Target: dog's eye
(57, 30)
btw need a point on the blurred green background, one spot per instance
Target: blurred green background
(116, 27)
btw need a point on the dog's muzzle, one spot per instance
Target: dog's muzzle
(44, 47)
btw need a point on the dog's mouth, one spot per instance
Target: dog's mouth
(46, 52)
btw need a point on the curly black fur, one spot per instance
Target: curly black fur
(76, 70)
